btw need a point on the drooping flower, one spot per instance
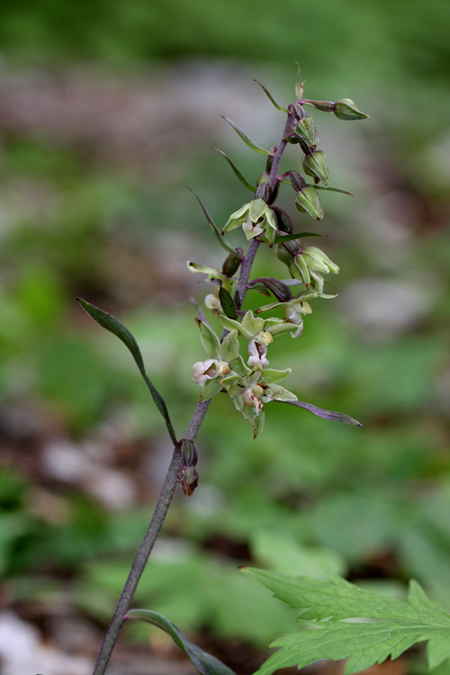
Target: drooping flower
(255, 218)
(209, 370)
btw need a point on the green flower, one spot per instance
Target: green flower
(255, 218)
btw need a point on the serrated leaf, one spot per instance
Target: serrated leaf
(246, 139)
(229, 349)
(393, 626)
(325, 414)
(243, 180)
(209, 339)
(269, 96)
(204, 663)
(220, 238)
(118, 329)
(227, 303)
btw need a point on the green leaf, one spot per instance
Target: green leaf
(246, 139)
(325, 414)
(269, 95)
(117, 328)
(244, 182)
(204, 663)
(331, 189)
(270, 375)
(290, 237)
(227, 303)
(220, 238)
(209, 339)
(393, 626)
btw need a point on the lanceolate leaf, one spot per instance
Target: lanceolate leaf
(246, 139)
(220, 238)
(269, 95)
(325, 414)
(296, 235)
(390, 628)
(331, 189)
(244, 182)
(114, 326)
(205, 663)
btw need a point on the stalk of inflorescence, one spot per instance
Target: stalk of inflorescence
(250, 384)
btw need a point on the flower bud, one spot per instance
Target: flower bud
(321, 260)
(284, 222)
(308, 201)
(347, 110)
(212, 301)
(231, 265)
(306, 129)
(263, 192)
(297, 180)
(187, 474)
(315, 164)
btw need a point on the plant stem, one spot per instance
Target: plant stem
(150, 538)
(171, 479)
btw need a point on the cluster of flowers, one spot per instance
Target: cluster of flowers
(251, 383)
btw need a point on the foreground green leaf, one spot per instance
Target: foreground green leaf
(205, 663)
(117, 328)
(393, 626)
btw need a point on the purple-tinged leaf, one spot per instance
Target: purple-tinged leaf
(325, 414)
(278, 288)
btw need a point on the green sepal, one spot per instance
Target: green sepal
(210, 389)
(316, 165)
(252, 324)
(209, 340)
(246, 139)
(270, 375)
(282, 328)
(227, 303)
(269, 96)
(300, 265)
(244, 182)
(278, 393)
(117, 328)
(307, 200)
(255, 418)
(229, 349)
(220, 238)
(324, 106)
(314, 262)
(240, 367)
(204, 663)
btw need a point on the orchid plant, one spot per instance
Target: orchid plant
(238, 360)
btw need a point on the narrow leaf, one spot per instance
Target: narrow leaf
(246, 139)
(204, 663)
(325, 414)
(269, 95)
(244, 182)
(290, 237)
(220, 238)
(331, 189)
(227, 303)
(117, 328)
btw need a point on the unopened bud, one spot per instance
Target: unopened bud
(297, 180)
(347, 110)
(308, 201)
(231, 265)
(316, 165)
(187, 475)
(306, 129)
(188, 452)
(321, 262)
(263, 192)
(284, 222)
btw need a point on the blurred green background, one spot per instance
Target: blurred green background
(107, 111)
